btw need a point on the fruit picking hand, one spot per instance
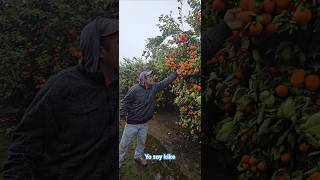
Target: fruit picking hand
(231, 18)
(178, 71)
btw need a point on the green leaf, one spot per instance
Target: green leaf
(270, 101)
(287, 109)
(198, 100)
(315, 130)
(312, 140)
(238, 94)
(316, 153)
(312, 121)
(264, 128)
(245, 43)
(256, 56)
(283, 137)
(260, 115)
(286, 53)
(213, 76)
(264, 95)
(226, 130)
(292, 140)
(297, 175)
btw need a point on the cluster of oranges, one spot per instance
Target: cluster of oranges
(249, 162)
(186, 67)
(301, 15)
(299, 79)
(170, 63)
(185, 59)
(183, 37)
(196, 88)
(260, 15)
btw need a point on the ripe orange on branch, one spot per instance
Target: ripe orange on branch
(312, 82)
(266, 19)
(282, 177)
(270, 28)
(281, 91)
(315, 176)
(247, 5)
(268, 6)
(297, 77)
(282, 4)
(262, 166)
(302, 16)
(171, 63)
(245, 17)
(245, 159)
(255, 28)
(218, 5)
(285, 157)
(303, 147)
(183, 37)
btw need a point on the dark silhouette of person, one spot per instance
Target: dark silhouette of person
(70, 130)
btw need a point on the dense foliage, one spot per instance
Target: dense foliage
(266, 79)
(40, 38)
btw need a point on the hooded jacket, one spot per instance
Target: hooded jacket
(140, 102)
(70, 130)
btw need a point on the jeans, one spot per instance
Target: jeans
(130, 131)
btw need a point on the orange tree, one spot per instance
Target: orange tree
(179, 49)
(40, 38)
(268, 73)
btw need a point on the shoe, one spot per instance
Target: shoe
(141, 161)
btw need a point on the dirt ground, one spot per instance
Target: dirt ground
(175, 139)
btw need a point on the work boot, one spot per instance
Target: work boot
(141, 161)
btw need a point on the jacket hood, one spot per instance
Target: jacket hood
(90, 41)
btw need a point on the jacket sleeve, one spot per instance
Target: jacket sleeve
(126, 103)
(29, 138)
(213, 39)
(164, 83)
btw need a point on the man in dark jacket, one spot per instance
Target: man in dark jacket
(137, 109)
(70, 130)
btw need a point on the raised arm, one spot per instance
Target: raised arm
(165, 83)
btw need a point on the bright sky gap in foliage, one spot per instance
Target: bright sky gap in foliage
(138, 19)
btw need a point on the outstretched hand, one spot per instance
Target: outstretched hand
(178, 71)
(231, 18)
